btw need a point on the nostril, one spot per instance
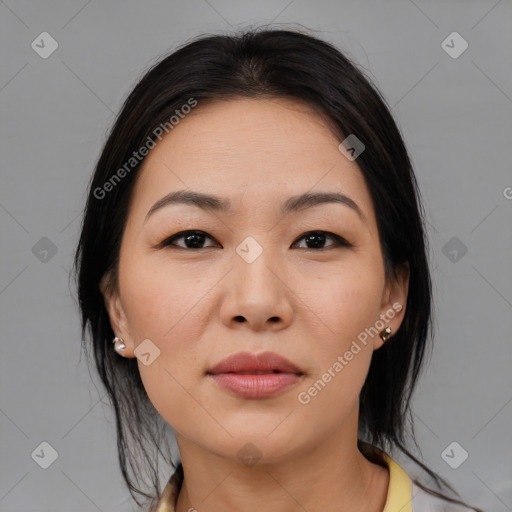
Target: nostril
(239, 319)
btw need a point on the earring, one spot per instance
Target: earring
(121, 346)
(385, 334)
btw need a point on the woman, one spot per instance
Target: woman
(254, 247)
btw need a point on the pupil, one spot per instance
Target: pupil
(196, 240)
(311, 237)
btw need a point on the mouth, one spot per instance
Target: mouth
(256, 385)
(257, 372)
(255, 376)
(250, 363)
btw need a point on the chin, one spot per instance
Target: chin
(251, 446)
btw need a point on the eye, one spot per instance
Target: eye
(316, 239)
(193, 239)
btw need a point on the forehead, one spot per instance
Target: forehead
(232, 131)
(254, 152)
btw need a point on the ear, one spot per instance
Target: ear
(394, 300)
(116, 314)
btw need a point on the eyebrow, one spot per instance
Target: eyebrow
(217, 204)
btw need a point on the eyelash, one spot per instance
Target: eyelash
(339, 241)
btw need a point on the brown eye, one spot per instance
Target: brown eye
(192, 239)
(316, 240)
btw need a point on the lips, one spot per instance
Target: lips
(250, 375)
(248, 363)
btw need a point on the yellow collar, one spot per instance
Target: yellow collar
(399, 490)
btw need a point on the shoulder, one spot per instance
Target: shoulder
(423, 501)
(407, 496)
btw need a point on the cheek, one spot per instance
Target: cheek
(166, 306)
(348, 302)
(347, 306)
(162, 300)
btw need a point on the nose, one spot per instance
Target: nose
(257, 294)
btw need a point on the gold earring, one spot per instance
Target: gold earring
(385, 334)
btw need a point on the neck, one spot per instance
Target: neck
(333, 475)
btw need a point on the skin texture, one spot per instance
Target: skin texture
(307, 304)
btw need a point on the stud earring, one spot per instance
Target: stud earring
(385, 334)
(121, 346)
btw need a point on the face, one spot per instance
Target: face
(265, 273)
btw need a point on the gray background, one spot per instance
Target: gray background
(455, 114)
